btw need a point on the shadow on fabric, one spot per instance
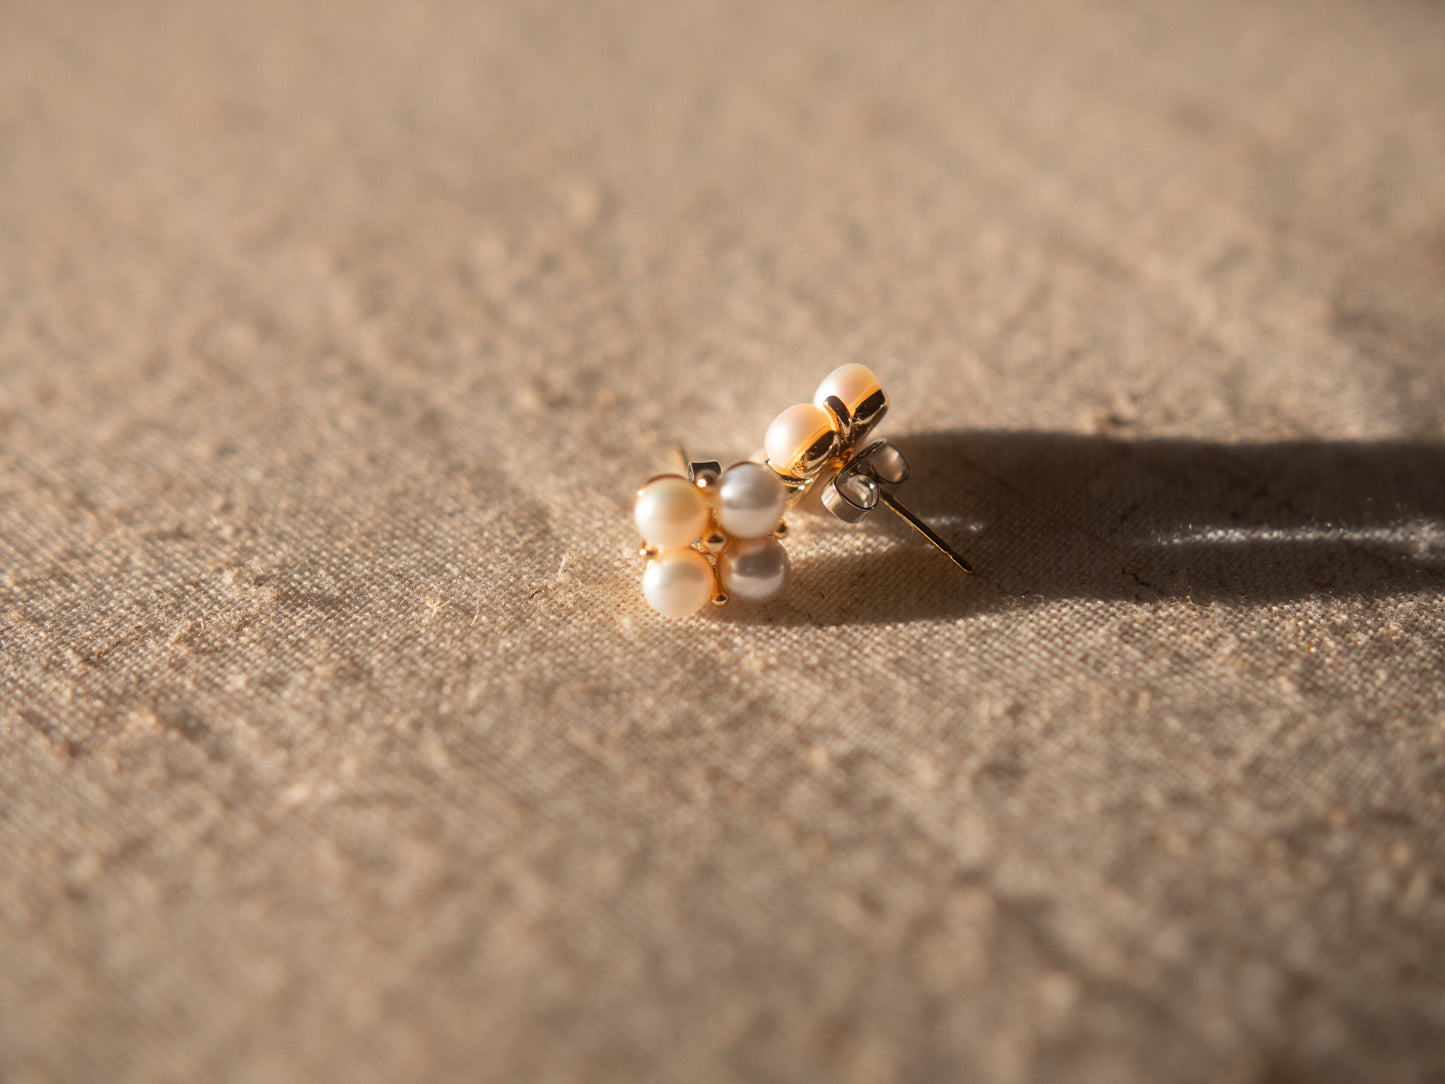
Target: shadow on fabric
(1050, 516)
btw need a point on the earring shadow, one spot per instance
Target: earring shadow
(1052, 516)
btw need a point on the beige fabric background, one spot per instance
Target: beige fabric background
(336, 742)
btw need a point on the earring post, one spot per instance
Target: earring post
(922, 528)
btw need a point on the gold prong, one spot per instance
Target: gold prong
(781, 531)
(647, 553)
(720, 599)
(714, 542)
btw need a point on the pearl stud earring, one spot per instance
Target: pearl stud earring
(827, 439)
(715, 534)
(712, 535)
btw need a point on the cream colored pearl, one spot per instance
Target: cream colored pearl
(670, 512)
(678, 582)
(755, 569)
(851, 383)
(793, 433)
(750, 500)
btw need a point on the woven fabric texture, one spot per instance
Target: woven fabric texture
(336, 740)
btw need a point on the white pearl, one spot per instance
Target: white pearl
(755, 569)
(793, 432)
(851, 383)
(678, 582)
(750, 500)
(670, 512)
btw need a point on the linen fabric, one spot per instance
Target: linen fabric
(336, 739)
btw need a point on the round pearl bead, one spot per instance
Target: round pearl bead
(755, 569)
(851, 383)
(793, 432)
(678, 582)
(670, 512)
(750, 500)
